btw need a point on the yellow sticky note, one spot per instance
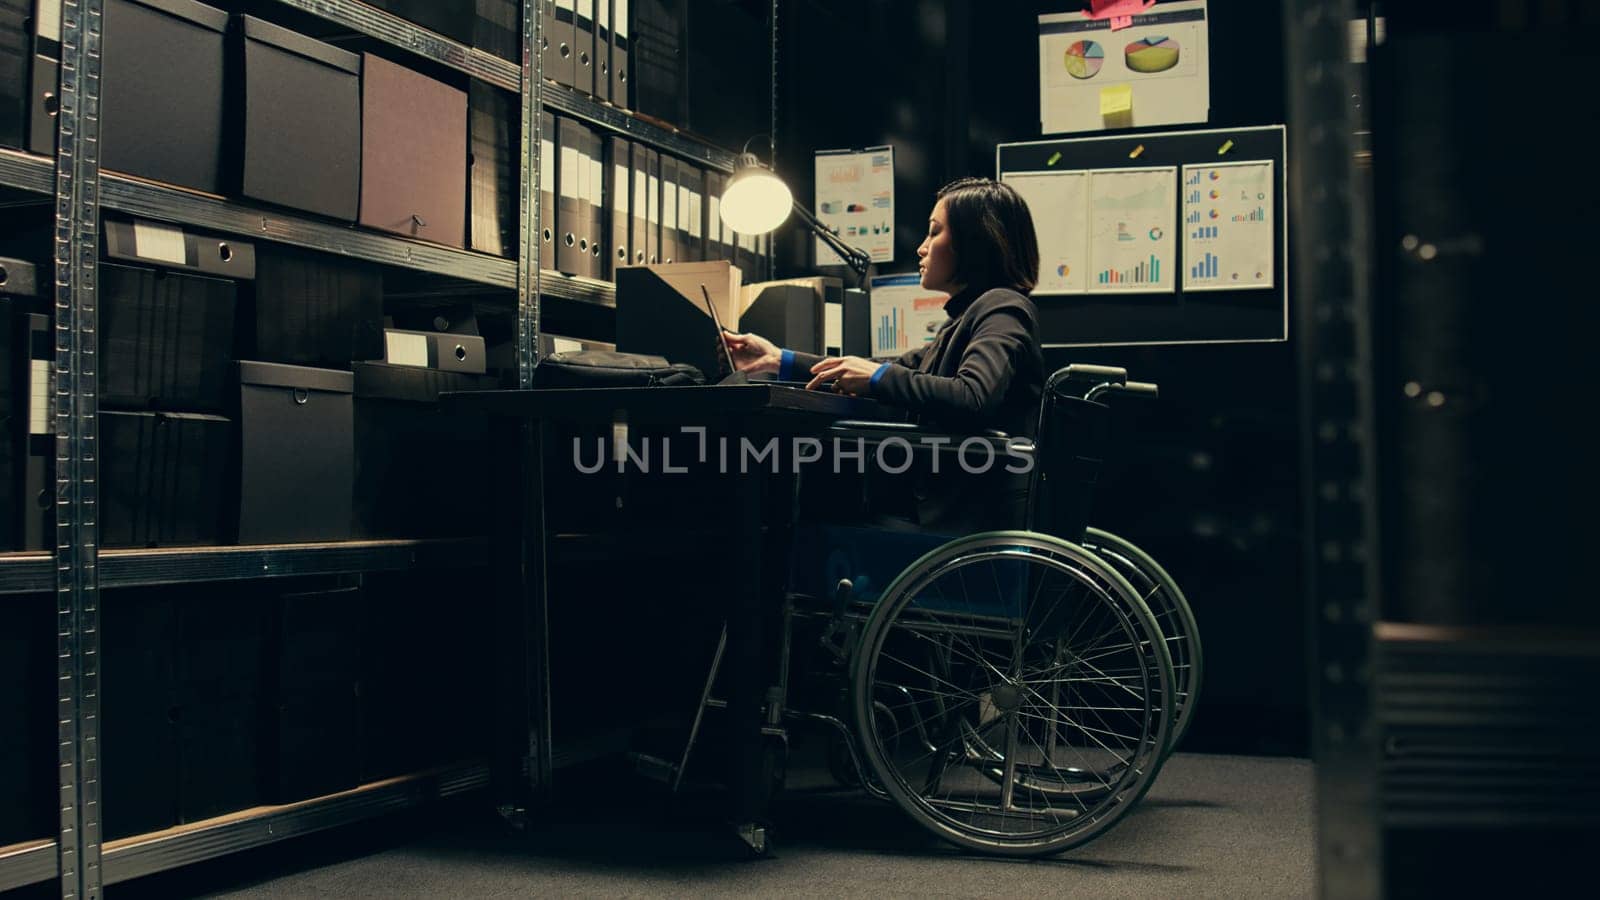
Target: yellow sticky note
(1116, 99)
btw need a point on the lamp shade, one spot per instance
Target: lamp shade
(755, 200)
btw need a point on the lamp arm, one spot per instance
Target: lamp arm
(858, 261)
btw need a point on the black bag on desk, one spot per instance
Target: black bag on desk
(608, 368)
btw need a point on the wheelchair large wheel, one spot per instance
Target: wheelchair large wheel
(1171, 609)
(1030, 688)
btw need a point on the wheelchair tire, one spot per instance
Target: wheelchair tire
(1053, 656)
(1173, 614)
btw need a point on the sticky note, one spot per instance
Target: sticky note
(1119, 12)
(1116, 99)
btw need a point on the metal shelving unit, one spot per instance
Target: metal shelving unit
(25, 864)
(397, 32)
(77, 570)
(31, 863)
(32, 573)
(568, 101)
(27, 172)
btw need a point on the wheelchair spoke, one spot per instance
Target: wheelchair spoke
(957, 689)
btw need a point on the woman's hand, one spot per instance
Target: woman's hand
(752, 353)
(849, 374)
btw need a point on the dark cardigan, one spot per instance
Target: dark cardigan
(983, 369)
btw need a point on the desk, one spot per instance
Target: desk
(751, 410)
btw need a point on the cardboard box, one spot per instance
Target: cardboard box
(296, 454)
(298, 121)
(661, 310)
(16, 58)
(166, 340)
(161, 80)
(413, 153)
(163, 477)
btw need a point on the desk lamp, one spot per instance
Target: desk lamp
(756, 201)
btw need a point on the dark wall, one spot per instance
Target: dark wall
(1207, 478)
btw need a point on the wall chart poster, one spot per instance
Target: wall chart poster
(1059, 204)
(1131, 244)
(905, 315)
(1157, 71)
(1227, 226)
(855, 200)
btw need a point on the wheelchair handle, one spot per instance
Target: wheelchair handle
(1085, 372)
(1143, 390)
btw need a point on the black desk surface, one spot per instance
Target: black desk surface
(667, 404)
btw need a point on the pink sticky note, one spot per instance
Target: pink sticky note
(1120, 12)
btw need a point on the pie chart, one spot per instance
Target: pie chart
(1084, 59)
(1151, 54)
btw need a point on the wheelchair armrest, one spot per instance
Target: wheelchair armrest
(868, 426)
(948, 442)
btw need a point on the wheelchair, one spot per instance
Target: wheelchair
(1014, 692)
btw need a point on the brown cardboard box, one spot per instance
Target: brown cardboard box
(413, 154)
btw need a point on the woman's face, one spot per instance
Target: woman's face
(938, 254)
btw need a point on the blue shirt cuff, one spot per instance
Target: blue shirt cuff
(785, 368)
(873, 381)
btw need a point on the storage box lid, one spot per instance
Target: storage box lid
(201, 418)
(190, 11)
(303, 377)
(381, 381)
(277, 36)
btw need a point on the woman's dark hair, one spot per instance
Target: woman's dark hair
(993, 234)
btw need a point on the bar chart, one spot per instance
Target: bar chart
(1132, 245)
(1235, 246)
(891, 336)
(1147, 272)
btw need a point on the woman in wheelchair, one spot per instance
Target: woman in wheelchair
(982, 371)
(1011, 690)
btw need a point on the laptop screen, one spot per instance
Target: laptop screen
(726, 356)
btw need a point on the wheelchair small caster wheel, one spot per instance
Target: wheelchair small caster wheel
(755, 837)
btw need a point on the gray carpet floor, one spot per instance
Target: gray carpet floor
(1212, 826)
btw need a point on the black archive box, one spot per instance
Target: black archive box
(11, 426)
(420, 470)
(138, 712)
(296, 454)
(17, 287)
(162, 478)
(313, 309)
(296, 120)
(28, 753)
(166, 339)
(161, 91)
(16, 58)
(424, 671)
(659, 64)
(313, 717)
(451, 18)
(221, 692)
